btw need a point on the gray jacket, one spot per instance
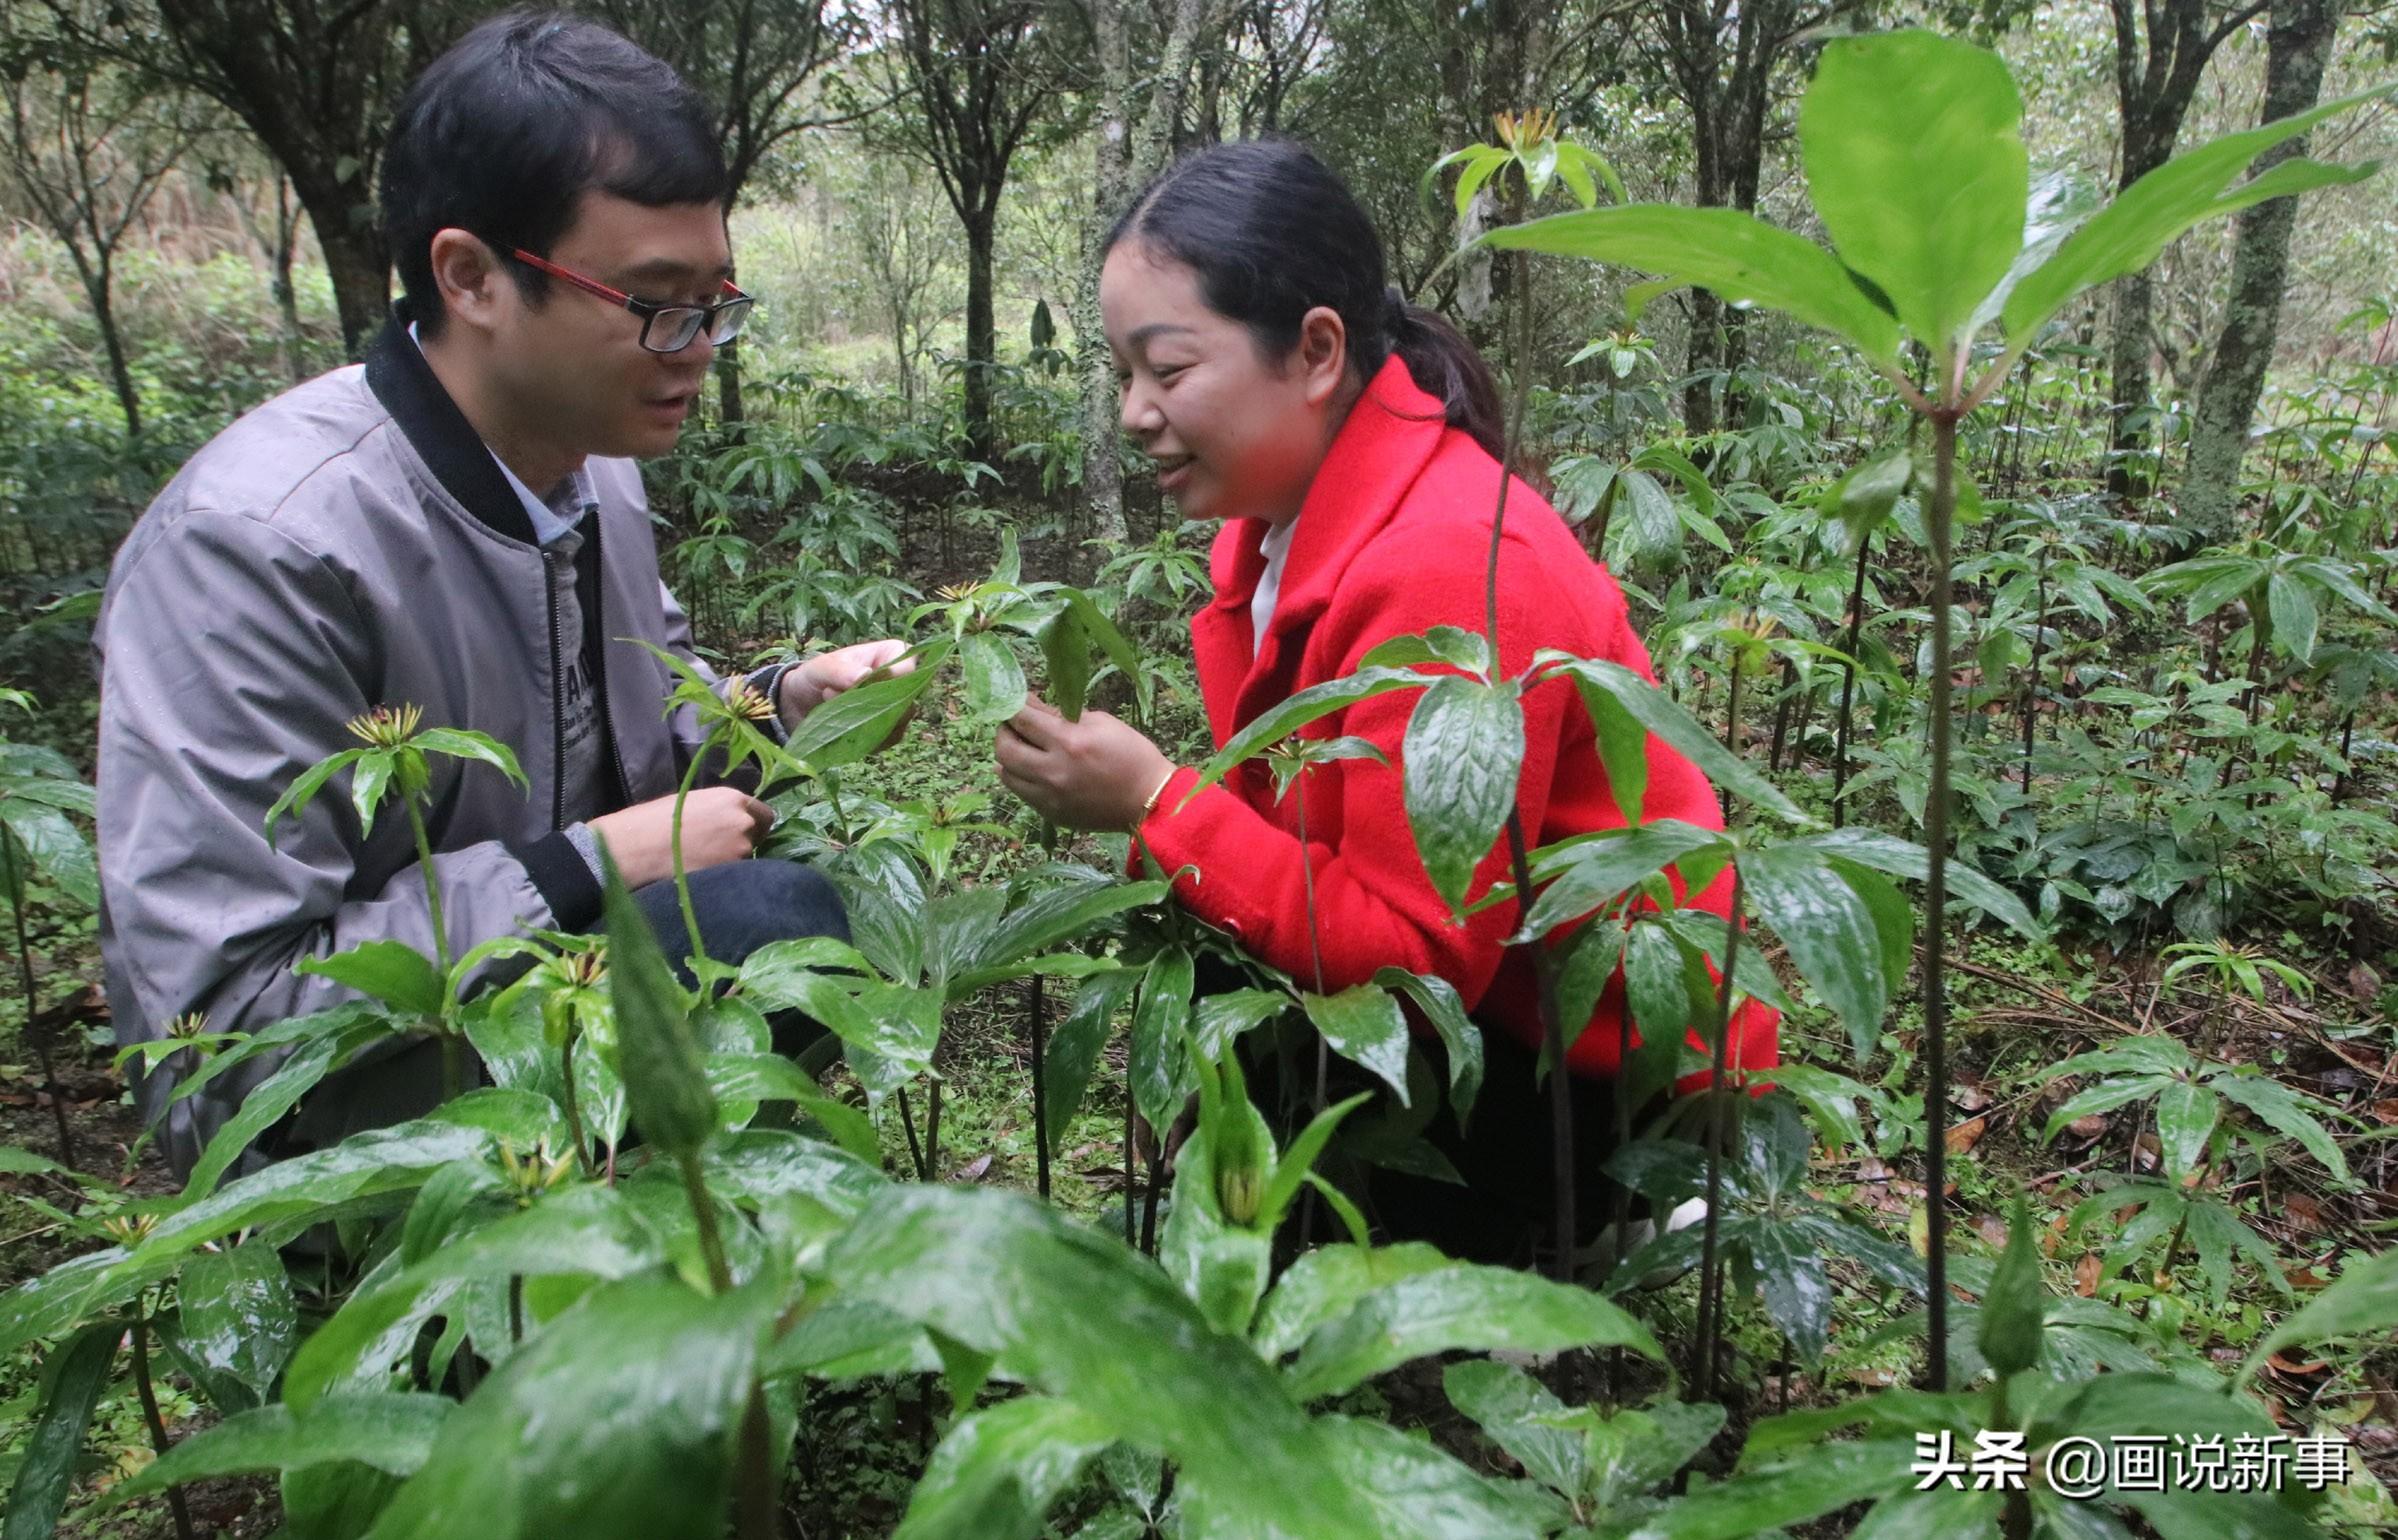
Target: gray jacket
(348, 544)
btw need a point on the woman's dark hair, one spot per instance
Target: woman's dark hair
(504, 133)
(1272, 233)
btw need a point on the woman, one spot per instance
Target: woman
(1349, 442)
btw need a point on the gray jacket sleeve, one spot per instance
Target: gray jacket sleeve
(232, 658)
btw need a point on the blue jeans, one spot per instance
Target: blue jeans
(742, 906)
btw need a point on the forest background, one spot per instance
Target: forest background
(2175, 681)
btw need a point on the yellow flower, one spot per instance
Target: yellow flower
(386, 727)
(746, 701)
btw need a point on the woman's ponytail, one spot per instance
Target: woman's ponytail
(1446, 365)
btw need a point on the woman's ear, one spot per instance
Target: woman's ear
(1323, 354)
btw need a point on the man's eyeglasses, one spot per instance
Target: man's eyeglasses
(664, 328)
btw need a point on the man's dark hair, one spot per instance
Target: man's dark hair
(507, 130)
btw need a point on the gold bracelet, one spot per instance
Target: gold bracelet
(1150, 806)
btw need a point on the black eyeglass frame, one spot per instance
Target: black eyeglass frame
(722, 320)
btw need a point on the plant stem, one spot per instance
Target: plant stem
(1131, 1169)
(158, 1429)
(703, 1209)
(907, 1120)
(39, 1037)
(1848, 682)
(453, 1054)
(1040, 1085)
(1937, 525)
(1315, 946)
(1711, 1279)
(2031, 685)
(574, 1111)
(932, 1133)
(682, 879)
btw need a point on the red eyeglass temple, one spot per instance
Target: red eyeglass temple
(590, 285)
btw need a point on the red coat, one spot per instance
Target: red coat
(1394, 539)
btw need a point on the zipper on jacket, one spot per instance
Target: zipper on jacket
(595, 622)
(549, 597)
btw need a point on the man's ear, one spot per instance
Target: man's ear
(467, 275)
(1323, 353)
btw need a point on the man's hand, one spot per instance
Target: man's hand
(813, 682)
(720, 824)
(1089, 774)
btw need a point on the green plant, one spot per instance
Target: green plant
(1915, 161)
(39, 842)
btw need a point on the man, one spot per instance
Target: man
(456, 525)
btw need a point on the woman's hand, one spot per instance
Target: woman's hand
(810, 684)
(1090, 774)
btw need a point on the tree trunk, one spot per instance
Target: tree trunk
(728, 382)
(1126, 158)
(98, 287)
(2297, 49)
(2161, 52)
(360, 270)
(982, 332)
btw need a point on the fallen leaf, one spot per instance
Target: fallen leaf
(1964, 1136)
(2086, 1274)
(972, 1171)
(2088, 1127)
(2386, 1110)
(1992, 1229)
(2364, 985)
(2288, 1365)
(2305, 1213)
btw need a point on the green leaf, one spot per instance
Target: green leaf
(994, 680)
(1219, 1021)
(458, 743)
(1583, 873)
(591, 1230)
(638, 1391)
(1680, 731)
(2186, 1115)
(1442, 1006)
(1829, 932)
(1077, 1315)
(1364, 1025)
(390, 971)
(1864, 497)
(267, 1102)
(1067, 652)
(1760, 1501)
(1898, 857)
(657, 1056)
(1464, 747)
(2286, 1112)
(1403, 1488)
(390, 1431)
(1326, 1282)
(2131, 232)
(2014, 1305)
(1159, 1062)
(1913, 145)
(304, 788)
(1792, 1280)
(1464, 1305)
(2362, 1300)
(1067, 911)
(72, 1379)
(854, 723)
(997, 1472)
(238, 1317)
(1099, 628)
(2294, 616)
(53, 847)
(771, 1077)
(1740, 257)
(1519, 1415)
(1076, 1043)
(1296, 711)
